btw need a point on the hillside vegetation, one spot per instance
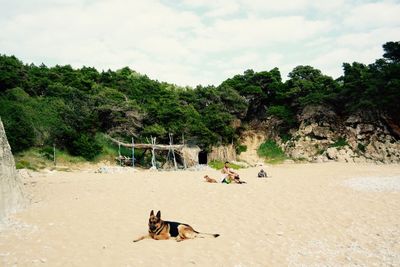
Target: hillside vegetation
(41, 106)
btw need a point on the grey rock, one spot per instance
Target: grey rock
(11, 196)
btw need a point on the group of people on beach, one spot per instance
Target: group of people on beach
(230, 176)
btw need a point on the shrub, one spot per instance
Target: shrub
(240, 149)
(283, 113)
(47, 152)
(154, 130)
(18, 127)
(218, 165)
(341, 142)
(361, 147)
(285, 137)
(23, 164)
(85, 146)
(271, 151)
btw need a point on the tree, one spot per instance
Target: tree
(308, 86)
(392, 51)
(12, 72)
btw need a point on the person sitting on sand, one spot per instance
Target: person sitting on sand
(228, 175)
(262, 174)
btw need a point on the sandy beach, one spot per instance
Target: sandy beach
(330, 214)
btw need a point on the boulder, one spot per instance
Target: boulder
(342, 154)
(11, 196)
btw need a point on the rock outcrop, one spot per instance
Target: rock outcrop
(11, 196)
(224, 153)
(252, 140)
(323, 135)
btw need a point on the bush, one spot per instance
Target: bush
(283, 113)
(361, 147)
(154, 130)
(271, 151)
(285, 137)
(341, 142)
(23, 164)
(218, 165)
(18, 127)
(47, 152)
(85, 146)
(240, 149)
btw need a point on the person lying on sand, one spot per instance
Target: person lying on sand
(209, 179)
(229, 176)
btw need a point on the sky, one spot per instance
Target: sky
(192, 42)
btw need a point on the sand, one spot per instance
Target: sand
(304, 215)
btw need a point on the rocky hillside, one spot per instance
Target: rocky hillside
(323, 135)
(312, 116)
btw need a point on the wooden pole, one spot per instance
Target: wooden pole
(183, 144)
(133, 153)
(119, 154)
(172, 150)
(54, 154)
(153, 157)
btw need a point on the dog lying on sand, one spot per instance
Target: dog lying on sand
(209, 179)
(162, 230)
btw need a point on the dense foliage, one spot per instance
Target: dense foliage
(271, 152)
(41, 105)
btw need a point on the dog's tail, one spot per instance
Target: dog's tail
(202, 235)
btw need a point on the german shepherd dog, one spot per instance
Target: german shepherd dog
(209, 179)
(162, 230)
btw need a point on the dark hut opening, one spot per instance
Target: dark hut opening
(203, 157)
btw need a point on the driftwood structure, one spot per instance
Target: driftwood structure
(147, 146)
(188, 154)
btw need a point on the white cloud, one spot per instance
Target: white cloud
(331, 62)
(363, 47)
(223, 10)
(251, 33)
(374, 15)
(374, 38)
(197, 41)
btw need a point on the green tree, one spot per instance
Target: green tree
(12, 72)
(392, 51)
(308, 86)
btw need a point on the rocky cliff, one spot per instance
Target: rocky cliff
(11, 197)
(324, 135)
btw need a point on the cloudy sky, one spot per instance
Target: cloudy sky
(190, 42)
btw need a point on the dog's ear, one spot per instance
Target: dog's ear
(158, 215)
(152, 213)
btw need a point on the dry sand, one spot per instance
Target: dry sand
(304, 215)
